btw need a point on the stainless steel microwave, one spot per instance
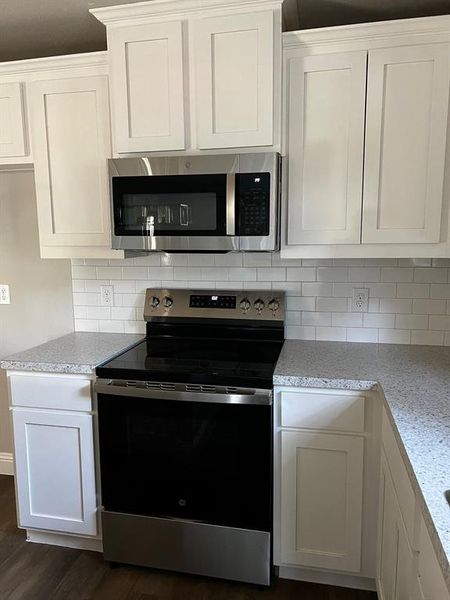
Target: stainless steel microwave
(213, 203)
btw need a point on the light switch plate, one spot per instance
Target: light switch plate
(5, 298)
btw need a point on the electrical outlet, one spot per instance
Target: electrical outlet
(4, 294)
(360, 300)
(107, 295)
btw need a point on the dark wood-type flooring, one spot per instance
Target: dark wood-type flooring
(39, 572)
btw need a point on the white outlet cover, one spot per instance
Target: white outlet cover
(107, 295)
(360, 300)
(5, 297)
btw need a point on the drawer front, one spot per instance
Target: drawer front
(61, 392)
(402, 484)
(338, 412)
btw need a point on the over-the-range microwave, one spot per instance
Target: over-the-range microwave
(208, 203)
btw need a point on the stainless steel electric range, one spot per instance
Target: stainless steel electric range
(185, 436)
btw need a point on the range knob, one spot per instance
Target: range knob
(274, 305)
(259, 305)
(245, 304)
(154, 302)
(167, 301)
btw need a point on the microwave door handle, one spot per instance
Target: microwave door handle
(231, 203)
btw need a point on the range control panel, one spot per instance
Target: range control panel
(251, 305)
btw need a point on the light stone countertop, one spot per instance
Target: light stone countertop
(416, 385)
(77, 353)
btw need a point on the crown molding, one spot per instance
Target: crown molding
(52, 63)
(141, 11)
(368, 31)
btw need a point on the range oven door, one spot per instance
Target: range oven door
(185, 470)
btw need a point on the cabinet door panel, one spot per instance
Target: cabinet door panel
(147, 87)
(326, 139)
(12, 121)
(55, 479)
(71, 144)
(407, 111)
(321, 500)
(234, 80)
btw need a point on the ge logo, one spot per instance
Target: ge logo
(181, 502)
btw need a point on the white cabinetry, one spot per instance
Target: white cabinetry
(408, 568)
(326, 143)
(233, 60)
(54, 453)
(190, 79)
(70, 127)
(325, 472)
(387, 119)
(321, 491)
(407, 112)
(13, 130)
(147, 86)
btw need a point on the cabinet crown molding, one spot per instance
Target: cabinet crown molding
(141, 11)
(368, 32)
(34, 66)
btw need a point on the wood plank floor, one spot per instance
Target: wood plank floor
(39, 572)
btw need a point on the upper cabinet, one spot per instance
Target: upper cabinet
(366, 138)
(13, 126)
(147, 87)
(184, 79)
(233, 57)
(407, 112)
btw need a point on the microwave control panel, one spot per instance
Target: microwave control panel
(253, 203)
(248, 305)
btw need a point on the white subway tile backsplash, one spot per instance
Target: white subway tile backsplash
(413, 290)
(362, 335)
(397, 274)
(409, 299)
(411, 321)
(316, 319)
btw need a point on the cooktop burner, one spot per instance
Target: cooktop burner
(239, 348)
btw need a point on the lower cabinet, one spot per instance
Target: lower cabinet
(54, 452)
(395, 563)
(321, 500)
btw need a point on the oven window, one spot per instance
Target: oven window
(204, 462)
(169, 205)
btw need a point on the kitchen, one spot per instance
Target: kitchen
(225, 300)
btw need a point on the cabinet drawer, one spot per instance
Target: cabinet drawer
(339, 412)
(402, 484)
(63, 393)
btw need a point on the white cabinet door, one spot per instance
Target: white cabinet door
(407, 112)
(234, 70)
(71, 144)
(321, 500)
(147, 87)
(395, 557)
(54, 456)
(431, 581)
(326, 148)
(12, 121)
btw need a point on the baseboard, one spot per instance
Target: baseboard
(328, 578)
(6, 463)
(67, 541)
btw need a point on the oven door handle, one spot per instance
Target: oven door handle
(105, 386)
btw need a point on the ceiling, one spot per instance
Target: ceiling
(34, 28)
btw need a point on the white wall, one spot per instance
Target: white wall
(409, 299)
(41, 290)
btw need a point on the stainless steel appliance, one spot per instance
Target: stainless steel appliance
(185, 436)
(212, 203)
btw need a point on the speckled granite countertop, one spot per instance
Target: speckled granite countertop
(416, 385)
(72, 353)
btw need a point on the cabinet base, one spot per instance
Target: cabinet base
(64, 540)
(327, 578)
